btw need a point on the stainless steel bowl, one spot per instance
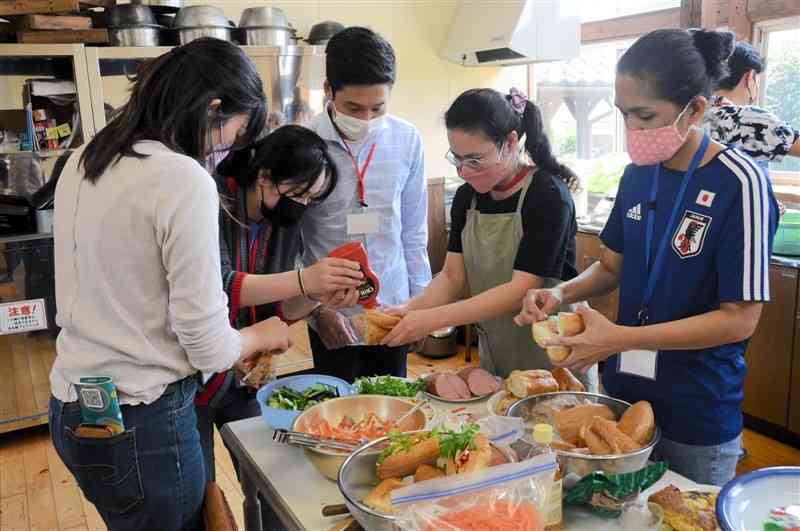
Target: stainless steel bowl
(575, 465)
(201, 17)
(135, 36)
(355, 407)
(322, 32)
(187, 35)
(267, 37)
(358, 476)
(264, 17)
(126, 15)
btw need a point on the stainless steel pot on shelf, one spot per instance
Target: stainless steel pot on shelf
(193, 22)
(132, 25)
(266, 26)
(135, 36)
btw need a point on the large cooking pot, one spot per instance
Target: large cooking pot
(193, 22)
(440, 343)
(266, 26)
(322, 32)
(132, 25)
(135, 36)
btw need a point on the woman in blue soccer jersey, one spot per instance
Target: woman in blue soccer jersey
(688, 243)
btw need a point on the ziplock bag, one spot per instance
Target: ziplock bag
(502, 431)
(338, 329)
(508, 497)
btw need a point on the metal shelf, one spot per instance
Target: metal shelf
(26, 237)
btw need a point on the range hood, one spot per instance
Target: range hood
(507, 32)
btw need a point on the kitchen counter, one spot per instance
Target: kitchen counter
(784, 261)
(295, 492)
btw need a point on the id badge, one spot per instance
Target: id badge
(359, 223)
(640, 363)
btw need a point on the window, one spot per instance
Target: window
(586, 132)
(593, 11)
(780, 45)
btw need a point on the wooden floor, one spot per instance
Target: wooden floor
(38, 493)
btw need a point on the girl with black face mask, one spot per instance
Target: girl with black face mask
(266, 188)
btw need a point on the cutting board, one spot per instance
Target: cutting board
(90, 36)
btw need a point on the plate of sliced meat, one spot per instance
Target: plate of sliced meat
(467, 385)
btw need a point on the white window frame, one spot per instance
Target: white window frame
(761, 41)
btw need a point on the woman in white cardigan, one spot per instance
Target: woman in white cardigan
(138, 284)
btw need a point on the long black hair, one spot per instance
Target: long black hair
(293, 155)
(490, 113)
(678, 64)
(744, 59)
(170, 101)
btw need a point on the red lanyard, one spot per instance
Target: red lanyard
(513, 182)
(362, 173)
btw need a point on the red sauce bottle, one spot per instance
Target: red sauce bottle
(368, 291)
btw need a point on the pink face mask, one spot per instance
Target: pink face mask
(653, 146)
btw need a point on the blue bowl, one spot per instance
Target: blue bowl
(745, 502)
(283, 418)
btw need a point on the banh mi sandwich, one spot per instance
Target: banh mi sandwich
(455, 451)
(565, 324)
(377, 325)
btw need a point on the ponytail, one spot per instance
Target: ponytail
(538, 146)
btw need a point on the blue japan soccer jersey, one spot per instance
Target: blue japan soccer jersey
(719, 251)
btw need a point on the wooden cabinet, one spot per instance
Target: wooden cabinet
(769, 354)
(794, 387)
(589, 248)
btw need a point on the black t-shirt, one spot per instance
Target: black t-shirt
(547, 248)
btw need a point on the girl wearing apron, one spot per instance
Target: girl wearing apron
(513, 229)
(688, 243)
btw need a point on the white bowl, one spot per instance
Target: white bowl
(491, 405)
(745, 502)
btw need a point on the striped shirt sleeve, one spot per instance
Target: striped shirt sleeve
(743, 257)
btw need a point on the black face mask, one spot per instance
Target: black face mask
(286, 212)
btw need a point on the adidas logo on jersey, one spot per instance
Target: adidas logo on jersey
(635, 213)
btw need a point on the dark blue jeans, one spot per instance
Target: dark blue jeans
(149, 477)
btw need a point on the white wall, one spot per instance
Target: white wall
(426, 84)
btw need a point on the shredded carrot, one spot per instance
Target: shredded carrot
(501, 515)
(369, 428)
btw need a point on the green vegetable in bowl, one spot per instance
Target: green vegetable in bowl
(388, 386)
(288, 398)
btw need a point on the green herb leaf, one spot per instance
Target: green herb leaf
(453, 442)
(388, 386)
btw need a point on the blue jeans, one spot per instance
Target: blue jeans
(708, 465)
(149, 477)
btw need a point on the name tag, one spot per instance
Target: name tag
(640, 363)
(367, 223)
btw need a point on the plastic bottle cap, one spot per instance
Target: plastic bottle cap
(543, 433)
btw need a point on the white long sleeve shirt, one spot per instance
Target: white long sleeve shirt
(138, 284)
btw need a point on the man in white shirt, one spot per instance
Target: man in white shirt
(381, 196)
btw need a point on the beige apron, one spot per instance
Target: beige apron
(490, 243)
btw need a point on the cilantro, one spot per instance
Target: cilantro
(453, 442)
(388, 386)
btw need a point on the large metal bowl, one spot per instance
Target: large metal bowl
(355, 407)
(130, 15)
(264, 17)
(201, 17)
(358, 476)
(574, 465)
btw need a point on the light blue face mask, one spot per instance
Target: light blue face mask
(218, 152)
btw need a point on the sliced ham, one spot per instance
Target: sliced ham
(448, 386)
(481, 382)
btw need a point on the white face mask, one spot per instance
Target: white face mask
(355, 128)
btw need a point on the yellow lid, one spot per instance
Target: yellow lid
(543, 433)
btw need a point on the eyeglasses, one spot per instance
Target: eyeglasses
(472, 163)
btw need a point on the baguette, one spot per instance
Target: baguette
(467, 461)
(570, 421)
(523, 384)
(380, 498)
(608, 431)
(639, 422)
(566, 380)
(378, 325)
(566, 324)
(405, 463)
(426, 472)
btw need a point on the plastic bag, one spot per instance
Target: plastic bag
(605, 494)
(508, 497)
(502, 431)
(337, 329)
